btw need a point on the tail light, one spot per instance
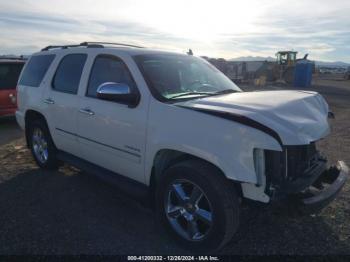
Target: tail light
(13, 99)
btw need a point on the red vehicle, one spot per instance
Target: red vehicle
(10, 69)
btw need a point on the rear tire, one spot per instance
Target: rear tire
(203, 225)
(42, 146)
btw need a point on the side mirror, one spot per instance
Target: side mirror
(117, 92)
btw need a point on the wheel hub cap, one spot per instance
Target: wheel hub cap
(40, 147)
(188, 210)
(189, 207)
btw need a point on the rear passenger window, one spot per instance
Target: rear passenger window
(35, 70)
(108, 68)
(68, 73)
(9, 73)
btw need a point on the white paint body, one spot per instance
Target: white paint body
(298, 117)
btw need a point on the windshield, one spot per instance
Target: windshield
(173, 77)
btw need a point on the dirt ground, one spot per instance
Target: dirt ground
(9, 130)
(69, 212)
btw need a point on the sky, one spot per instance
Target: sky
(219, 28)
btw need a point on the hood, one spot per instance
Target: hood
(298, 117)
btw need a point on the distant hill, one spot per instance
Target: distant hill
(332, 64)
(269, 58)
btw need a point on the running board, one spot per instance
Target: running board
(128, 186)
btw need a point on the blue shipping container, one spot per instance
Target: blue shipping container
(303, 73)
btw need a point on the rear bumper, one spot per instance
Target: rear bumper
(7, 111)
(327, 186)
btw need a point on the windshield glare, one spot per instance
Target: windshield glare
(183, 77)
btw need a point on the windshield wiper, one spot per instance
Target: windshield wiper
(226, 91)
(193, 93)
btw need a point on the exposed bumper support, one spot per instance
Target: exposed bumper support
(334, 179)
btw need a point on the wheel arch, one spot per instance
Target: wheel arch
(165, 158)
(30, 116)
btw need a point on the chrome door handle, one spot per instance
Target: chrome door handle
(49, 101)
(86, 111)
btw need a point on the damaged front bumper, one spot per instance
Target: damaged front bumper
(299, 175)
(325, 188)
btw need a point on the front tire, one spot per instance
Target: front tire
(42, 146)
(197, 205)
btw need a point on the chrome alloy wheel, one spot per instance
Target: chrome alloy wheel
(39, 145)
(188, 210)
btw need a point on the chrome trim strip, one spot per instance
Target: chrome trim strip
(99, 143)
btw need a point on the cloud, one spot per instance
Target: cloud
(224, 28)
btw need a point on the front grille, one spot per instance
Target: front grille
(286, 167)
(300, 159)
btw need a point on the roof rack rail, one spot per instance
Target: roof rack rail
(87, 44)
(108, 43)
(58, 46)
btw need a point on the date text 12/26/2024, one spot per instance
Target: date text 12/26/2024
(173, 258)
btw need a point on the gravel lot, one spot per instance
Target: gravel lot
(68, 212)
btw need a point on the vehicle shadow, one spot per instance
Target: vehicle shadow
(276, 231)
(69, 212)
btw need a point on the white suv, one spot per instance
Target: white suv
(173, 129)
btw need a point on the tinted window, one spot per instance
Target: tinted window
(173, 77)
(35, 70)
(9, 74)
(108, 69)
(68, 73)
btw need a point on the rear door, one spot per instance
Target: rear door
(9, 73)
(62, 102)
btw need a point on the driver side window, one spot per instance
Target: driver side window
(107, 68)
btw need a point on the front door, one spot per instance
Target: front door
(112, 135)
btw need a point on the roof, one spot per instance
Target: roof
(12, 59)
(283, 52)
